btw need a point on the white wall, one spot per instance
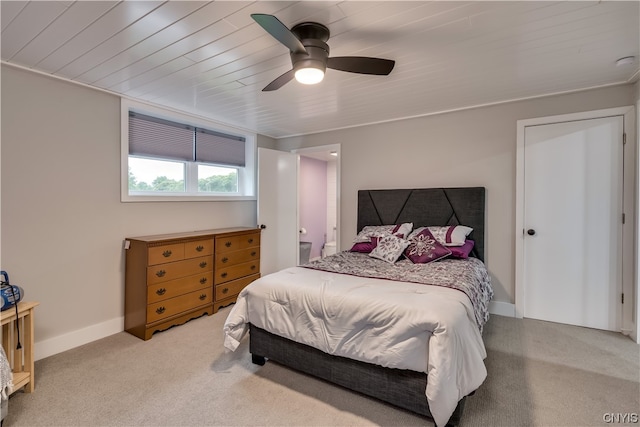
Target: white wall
(475, 147)
(62, 221)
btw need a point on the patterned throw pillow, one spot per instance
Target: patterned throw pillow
(389, 248)
(424, 247)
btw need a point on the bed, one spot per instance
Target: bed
(408, 343)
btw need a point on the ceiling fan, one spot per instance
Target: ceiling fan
(310, 53)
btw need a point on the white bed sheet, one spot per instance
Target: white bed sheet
(401, 325)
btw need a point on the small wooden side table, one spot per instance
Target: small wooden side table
(20, 360)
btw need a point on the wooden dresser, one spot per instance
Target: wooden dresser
(173, 278)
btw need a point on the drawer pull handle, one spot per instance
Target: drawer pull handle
(203, 264)
(203, 297)
(200, 248)
(160, 273)
(225, 290)
(225, 259)
(161, 291)
(250, 240)
(253, 253)
(160, 310)
(166, 254)
(253, 267)
(224, 275)
(203, 280)
(228, 244)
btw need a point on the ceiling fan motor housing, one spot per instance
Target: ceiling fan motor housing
(313, 37)
(316, 56)
(311, 30)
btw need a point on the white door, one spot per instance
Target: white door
(573, 197)
(277, 209)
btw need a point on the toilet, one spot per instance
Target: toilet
(329, 249)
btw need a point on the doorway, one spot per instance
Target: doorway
(318, 201)
(571, 218)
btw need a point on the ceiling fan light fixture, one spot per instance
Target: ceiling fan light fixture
(310, 66)
(309, 75)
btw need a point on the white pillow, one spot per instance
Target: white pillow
(389, 248)
(450, 235)
(370, 231)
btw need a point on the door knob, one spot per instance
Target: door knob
(531, 232)
(262, 226)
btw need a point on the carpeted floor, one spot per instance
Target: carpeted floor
(540, 374)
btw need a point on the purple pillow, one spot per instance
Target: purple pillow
(424, 248)
(462, 251)
(365, 247)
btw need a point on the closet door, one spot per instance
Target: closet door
(573, 197)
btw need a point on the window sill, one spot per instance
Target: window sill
(138, 199)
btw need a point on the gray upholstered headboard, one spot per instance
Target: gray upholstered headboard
(426, 207)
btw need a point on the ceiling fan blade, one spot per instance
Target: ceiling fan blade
(361, 64)
(280, 81)
(279, 31)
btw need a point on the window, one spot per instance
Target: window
(171, 156)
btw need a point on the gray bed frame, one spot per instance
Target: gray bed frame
(402, 388)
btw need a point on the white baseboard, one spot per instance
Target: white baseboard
(77, 338)
(502, 308)
(86, 335)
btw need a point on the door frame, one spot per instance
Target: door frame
(629, 266)
(323, 148)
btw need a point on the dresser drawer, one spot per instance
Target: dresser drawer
(177, 305)
(198, 248)
(173, 288)
(236, 271)
(234, 243)
(233, 288)
(175, 270)
(166, 253)
(227, 259)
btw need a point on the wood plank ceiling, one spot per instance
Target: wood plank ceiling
(212, 59)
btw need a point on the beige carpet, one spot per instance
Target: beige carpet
(540, 374)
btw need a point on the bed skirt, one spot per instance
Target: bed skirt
(399, 387)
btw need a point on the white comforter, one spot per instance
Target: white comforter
(400, 325)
